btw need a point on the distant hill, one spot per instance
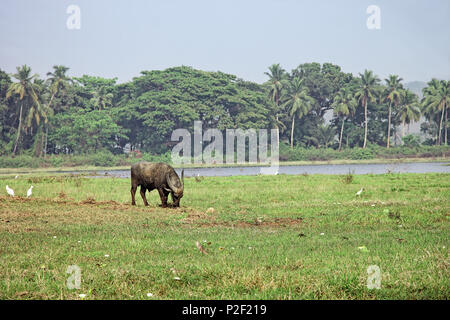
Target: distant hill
(416, 87)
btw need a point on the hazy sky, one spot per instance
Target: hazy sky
(121, 38)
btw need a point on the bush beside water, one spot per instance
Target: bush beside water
(371, 152)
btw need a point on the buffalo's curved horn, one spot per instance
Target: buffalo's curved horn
(171, 185)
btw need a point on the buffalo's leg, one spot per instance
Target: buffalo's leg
(133, 193)
(143, 189)
(163, 197)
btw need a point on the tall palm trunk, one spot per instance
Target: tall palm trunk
(389, 126)
(39, 142)
(403, 128)
(440, 127)
(42, 144)
(46, 137)
(445, 125)
(292, 132)
(342, 131)
(365, 123)
(19, 129)
(46, 127)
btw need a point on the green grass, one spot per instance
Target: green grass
(263, 238)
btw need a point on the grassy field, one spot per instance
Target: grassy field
(266, 237)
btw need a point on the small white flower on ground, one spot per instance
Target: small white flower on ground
(149, 294)
(82, 295)
(250, 248)
(322, 234)
(400, 226)
(79, 241)
(54, 237)
(107, 255)
(373, 205)
(176, 278)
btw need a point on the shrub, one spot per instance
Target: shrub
(21, 161)
(103, 159)
(411, 140)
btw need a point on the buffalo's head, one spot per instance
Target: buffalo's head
(176, 187)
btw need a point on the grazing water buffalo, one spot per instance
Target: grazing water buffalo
(158, 176)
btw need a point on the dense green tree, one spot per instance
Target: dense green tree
(158, 102)
(85, 131)
(323, 82)
(92, 114)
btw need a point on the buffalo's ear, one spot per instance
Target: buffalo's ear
(182, 176)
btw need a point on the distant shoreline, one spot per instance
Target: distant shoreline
(6, 171)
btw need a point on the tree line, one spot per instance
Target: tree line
(79, 115)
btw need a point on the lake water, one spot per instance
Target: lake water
(379, 168)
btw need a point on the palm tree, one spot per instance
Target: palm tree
(297, 101)
(437, 100)
(366, 93)
(393, 91)
(277, 80)
(101, 98)
(326, 135)
(344, 103)
(59, 81)
(274, 120)
(409, 109)
(26, 90)
(275, 85)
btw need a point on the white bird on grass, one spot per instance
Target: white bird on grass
(359, 192)
(10, 191)
(29, 192)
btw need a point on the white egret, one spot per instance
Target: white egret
(29, 192)
(359, 192)
(10, 191)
